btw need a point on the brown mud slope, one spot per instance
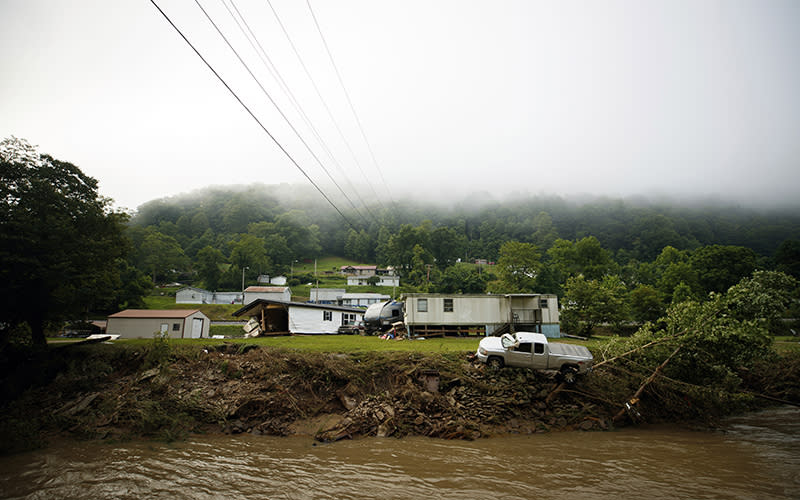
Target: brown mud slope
(110, 392)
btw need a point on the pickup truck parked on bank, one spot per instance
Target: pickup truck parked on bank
(532, 350)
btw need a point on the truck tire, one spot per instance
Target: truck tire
(495, 362)
(569, 374)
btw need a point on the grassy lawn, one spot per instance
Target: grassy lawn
(333, 343)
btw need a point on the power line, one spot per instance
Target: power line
(275, 104)
(222, 80)
(349, 101)
(262, 53)
(325, 105)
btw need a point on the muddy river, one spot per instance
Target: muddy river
(755, 457)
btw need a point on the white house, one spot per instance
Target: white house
(279, 318)
(280, 293)
(192, 295)
(382, 280)
(362, 299)
(326, 295)
(459, 314)
(172, 323)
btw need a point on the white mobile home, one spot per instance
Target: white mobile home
(326, 295)
(281, 293)
(362, 299)
(192, 295)
(457, 314)
(172, 323)
(281, 318)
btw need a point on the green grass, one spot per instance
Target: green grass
(332, 343)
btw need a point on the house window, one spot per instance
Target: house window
(327, 316)
(348, 319)
(448, 305)
(422, 305)
(176, 327)
(542, 303)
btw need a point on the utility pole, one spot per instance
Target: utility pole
(243, 270)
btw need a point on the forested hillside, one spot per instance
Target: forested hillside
(633, 256)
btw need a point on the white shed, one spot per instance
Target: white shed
(172, 323)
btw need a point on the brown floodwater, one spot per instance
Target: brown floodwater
(756, 456)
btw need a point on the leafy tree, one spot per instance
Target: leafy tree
(588, 303)
(721, 266)
(249, 251)
(787, 258)
(585, 256)
(645, 303)
(462, 278)
(446, 245)
(60, 244)
(518, 267)
(209, 261)
(161, 255)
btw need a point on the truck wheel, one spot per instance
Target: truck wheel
(495, 362)
(568, 374)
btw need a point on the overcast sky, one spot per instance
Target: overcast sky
(618, 98)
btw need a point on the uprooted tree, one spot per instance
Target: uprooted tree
(61, 247)
(698, 358)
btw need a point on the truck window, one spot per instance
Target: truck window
(523, 347)
(538, 348)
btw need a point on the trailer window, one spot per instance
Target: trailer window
(422, 305)
(327, 316)
(448, 305)
(542, 303)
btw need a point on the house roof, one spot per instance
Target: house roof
(365, 268)
(266, 289)
(309, 305)
(154, 313)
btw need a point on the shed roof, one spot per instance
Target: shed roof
(154, 313)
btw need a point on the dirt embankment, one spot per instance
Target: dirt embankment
(109, 392)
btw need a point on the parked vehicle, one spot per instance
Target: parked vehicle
(532, 350)
(380, 316)
(356, 328)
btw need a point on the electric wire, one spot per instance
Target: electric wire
(325, 104)
(247, 31)
(250, 112)
(350, 102)
(275, 104)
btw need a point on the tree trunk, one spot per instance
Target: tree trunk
(37, 332)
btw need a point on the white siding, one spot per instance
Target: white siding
(311, 319)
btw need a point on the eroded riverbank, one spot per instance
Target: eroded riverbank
(105, 392)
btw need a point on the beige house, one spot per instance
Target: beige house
(463, 314)
(172, 323)
(279, 293)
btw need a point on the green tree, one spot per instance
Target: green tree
(518, 267)
(719, 267)
(462, 278)
(60, 243)
(588, 303)
(209, 261)
(645, 303)
(585, 256)
(161, 255)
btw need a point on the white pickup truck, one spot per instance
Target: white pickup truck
(532, 350)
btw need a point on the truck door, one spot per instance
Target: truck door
(539, 360)
(520, 355)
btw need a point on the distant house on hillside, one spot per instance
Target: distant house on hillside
(382, 280)
(172, 323)
(192, 295)
(281, 293)
(366, 271)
